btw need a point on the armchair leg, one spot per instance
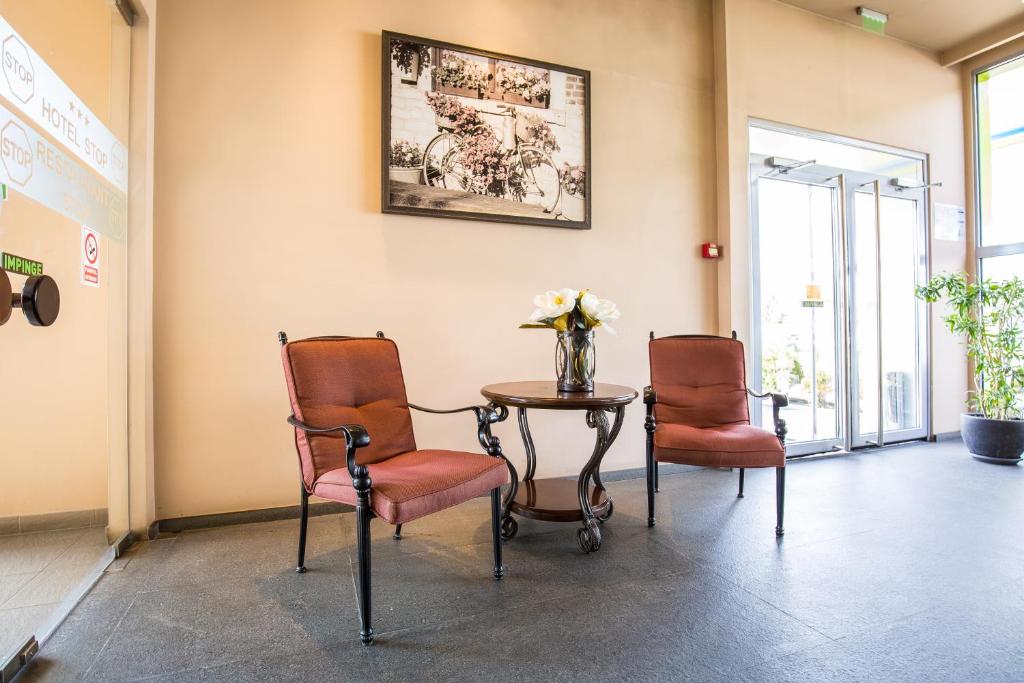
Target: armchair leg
(499, 568)
(652, 483)
(363, 516)
(657, 488)
(398, 532)
(780, 498)
(740, 494)
(300, 568)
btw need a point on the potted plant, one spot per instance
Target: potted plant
(574, 315)
(989, 315)
(406, 164)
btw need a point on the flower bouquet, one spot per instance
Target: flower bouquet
(574, 315)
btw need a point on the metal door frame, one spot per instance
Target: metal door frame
(845, 185)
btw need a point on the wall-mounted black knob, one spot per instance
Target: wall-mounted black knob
(39, 300)
(5, 297)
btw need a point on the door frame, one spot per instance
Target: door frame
(845, 184)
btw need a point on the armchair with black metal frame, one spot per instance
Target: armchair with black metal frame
(353, 377)
(699, 384)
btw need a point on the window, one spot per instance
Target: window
(999, 136)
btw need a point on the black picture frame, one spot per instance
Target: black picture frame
(390, 207)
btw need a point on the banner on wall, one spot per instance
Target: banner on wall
(32, 165)
(38, 92)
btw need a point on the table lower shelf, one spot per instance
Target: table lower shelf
(556, 500)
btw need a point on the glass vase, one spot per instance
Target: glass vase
(575, 360)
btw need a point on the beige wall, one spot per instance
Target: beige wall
(267, 217)
(266, 211)
(791, 66)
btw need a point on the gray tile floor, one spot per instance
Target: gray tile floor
(37, 572)
(904, 564)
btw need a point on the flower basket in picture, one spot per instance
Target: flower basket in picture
(524, 86)
(459, 76)
(574, 195)
(406, 164)
(410, 58)
(444, 122)
(472, 93)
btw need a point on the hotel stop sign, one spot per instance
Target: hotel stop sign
(16, 153)
(18, 68)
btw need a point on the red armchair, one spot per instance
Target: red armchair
(697, 413)
(354, 437)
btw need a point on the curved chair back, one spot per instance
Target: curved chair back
(341, 380)
(700, 381)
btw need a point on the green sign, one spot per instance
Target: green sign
(813, 303)
(21, 266)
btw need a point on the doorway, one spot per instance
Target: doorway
(63, 309)
(839, 241)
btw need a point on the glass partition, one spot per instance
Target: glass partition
(63, 380)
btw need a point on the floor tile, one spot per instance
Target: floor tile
(902, 564)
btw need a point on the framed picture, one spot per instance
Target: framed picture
(467, 133)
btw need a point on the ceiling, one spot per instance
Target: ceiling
(933, 24)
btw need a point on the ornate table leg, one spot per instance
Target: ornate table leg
(509, 526)
(531, 451)
(589, 537)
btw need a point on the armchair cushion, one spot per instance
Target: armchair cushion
(723, 446)
(334, 381)
(418, 483)
(700, 381)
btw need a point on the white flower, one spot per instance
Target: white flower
(602, 310)
(552, 304)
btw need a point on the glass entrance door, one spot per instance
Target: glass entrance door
(63, 308)
(837, 254)
(900, 344)
(797, 303)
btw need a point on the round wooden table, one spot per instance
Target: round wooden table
(562, 500)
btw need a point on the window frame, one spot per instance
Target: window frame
(982, 252)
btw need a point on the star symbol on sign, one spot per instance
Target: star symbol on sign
(71, 105)
(86, 120)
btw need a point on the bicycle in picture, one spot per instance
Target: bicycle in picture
(478, 161)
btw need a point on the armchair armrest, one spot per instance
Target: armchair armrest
(355, 435)
(485, 417)
(778, 401)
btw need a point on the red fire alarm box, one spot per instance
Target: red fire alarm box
(710, 250)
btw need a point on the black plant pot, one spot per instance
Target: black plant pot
(996, 441)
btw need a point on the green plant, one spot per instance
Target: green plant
(989, 315)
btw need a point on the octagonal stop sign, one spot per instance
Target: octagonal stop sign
(16, 153)
(17, 67)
